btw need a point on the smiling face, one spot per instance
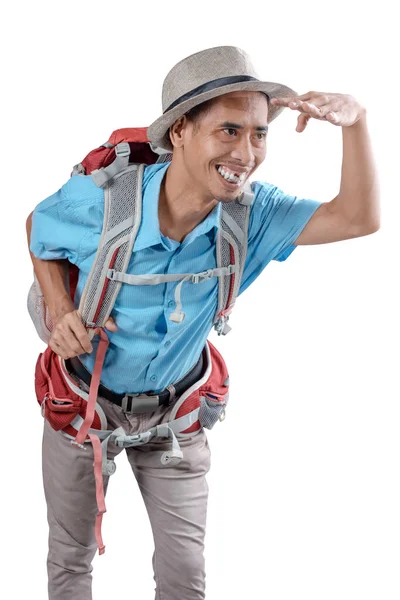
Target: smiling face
(219, 149)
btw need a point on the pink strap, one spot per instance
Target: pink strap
(101, 504)
(83, 432)
(94, 386)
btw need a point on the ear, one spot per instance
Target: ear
(177, 132)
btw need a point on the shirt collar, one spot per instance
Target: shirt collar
(149, 233)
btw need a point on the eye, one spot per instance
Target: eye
(261, 135)
(229, 130)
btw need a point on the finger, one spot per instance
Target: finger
(302, 121)
(79, 331)
(72, 336)
(332, 116)
(307, 96)
(306, 107)
(283, 101)
(57, 348)
(320, 100)
(111, 325)
(61, 348)
(74, 345)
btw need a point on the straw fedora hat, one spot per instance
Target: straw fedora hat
(205, 75)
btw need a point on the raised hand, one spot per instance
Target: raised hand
(339, 109)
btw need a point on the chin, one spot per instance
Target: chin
(228, 196)
(230, 199)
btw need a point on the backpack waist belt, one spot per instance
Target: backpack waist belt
(146, 400)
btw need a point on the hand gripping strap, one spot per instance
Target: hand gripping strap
(122, 216)
(231, 249)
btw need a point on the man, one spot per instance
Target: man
(215, 121)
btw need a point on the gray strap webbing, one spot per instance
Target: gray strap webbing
(157, 278)
(183, 423)
(177, 316)
(120, 439)
(78, 170)
(239, 233)
(247, 196)
(115, 231)
(102, 176)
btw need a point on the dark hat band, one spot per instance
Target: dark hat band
(210, 85)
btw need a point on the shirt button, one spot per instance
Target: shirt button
(153, 378)
(171, 303)
(167, 344)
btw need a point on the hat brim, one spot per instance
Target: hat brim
(157, 132)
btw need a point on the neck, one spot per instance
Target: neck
(180, 207)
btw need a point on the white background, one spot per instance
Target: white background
(304, 484)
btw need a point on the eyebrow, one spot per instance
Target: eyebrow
(229, 125)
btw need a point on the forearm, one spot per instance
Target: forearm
(52, 276)
(358, 198)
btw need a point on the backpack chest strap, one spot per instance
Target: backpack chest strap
(156, 278)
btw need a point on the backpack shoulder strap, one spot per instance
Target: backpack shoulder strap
(122, 217)
(231, 250)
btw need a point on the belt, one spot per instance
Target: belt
(139, 402)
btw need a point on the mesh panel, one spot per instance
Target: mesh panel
(226, 260)
(113, 286)
(163, 158)
(124, 188)
(122, 191)
(39, 314)
(239, 213)
(209, 412)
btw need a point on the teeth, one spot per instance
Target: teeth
(230, 176)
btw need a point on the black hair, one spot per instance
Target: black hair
(194, 114)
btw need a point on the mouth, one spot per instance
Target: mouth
(231, 178)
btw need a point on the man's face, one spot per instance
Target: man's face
(225, 145)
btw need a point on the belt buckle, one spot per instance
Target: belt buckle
(137, 403)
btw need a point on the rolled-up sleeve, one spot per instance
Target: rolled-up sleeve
(276, 221)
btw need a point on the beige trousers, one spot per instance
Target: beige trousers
(175, 499)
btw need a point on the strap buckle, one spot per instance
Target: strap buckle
(137, 403)
(221, 326)
(203, 276)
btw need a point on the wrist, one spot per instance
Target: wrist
(59, 307)
(361, 120)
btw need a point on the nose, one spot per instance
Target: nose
(243, 150)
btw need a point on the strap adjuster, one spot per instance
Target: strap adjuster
(122, 149)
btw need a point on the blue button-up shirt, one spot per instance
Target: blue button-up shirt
(149, 351)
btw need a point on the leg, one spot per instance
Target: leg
(69, 487)
(176, 502)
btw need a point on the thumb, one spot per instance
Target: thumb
(111, 325)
